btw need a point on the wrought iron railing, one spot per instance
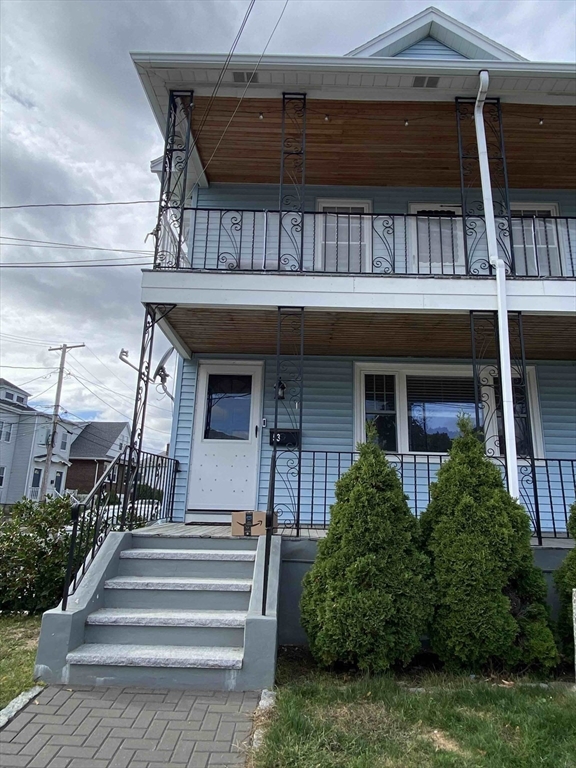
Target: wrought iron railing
(547, 486)
(124, 498)
(430, 244)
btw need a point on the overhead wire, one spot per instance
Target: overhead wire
(74, 205)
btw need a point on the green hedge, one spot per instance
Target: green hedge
(366, 600)
(490, 597)
(34, 545)
(565, 579)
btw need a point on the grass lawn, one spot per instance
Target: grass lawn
(18, 641)
(327, 720)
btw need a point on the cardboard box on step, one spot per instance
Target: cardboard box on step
(250, 523)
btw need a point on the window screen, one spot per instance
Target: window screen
(380, 408)
(343, 237)
(434, 404)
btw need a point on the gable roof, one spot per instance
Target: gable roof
(6, 383)
(432, 23)
(96, 439)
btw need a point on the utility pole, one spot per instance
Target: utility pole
(52, 438)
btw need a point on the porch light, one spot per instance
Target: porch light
(326, 118)
(541, 121)
(280, 390)
(406, 123)
(261, 116)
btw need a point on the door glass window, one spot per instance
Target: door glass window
(343, 237)
(434, 405)
(439, 241)
(380, 408)
(535, 240)
(228, 402)
(36, 478)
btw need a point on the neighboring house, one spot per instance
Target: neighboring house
(337, 241)
(23, 434)
(92, 452)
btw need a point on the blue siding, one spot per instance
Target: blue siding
(328, 426)
(182, 435)
(428, 48)
(557, 389)
(384, 199)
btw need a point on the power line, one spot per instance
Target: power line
(71, 265)
(49, 245)
(74, 205)
(35, 397)
(28, 339)
(30, 367)
(105, 366)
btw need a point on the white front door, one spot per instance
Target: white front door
(226, 437)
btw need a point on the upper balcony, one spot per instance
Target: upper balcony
(348, 239)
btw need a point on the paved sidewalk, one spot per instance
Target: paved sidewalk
(129, 728)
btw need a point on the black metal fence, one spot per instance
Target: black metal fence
(547, 486)
(427, 244)
(124, 498)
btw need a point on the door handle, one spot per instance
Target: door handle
(256, 430)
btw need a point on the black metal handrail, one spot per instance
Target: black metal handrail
(120, 500)
(437, 244)
(547, 486)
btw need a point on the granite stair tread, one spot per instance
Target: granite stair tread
(165, 618)
(189, 554)
(178, 583)
(156, 656)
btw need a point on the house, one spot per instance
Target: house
(23, 434)
(93, 450)
(387, 236)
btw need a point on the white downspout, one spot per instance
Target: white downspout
(500, 268)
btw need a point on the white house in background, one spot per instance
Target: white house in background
(23, 434)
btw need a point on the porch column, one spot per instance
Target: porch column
(171, 232)
(292, 184)
(152, 315)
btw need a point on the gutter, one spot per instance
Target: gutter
(501, 298)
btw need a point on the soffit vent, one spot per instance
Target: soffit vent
(425, 82)
(245, 77)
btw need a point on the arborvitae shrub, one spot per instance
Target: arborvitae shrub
(565, 578)
(366, 600)
(490, 597)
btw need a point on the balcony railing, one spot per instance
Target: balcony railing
(547, 486)
(438, 245)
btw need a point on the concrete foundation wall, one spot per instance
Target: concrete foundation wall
(298, 555)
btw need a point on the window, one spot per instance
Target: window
(434, 404)
(5, 431)
(19, 399)
(2, 473)
(380, 408)
(228, 402)
(436, 242)
(535, 236)
(64, 441)
(415, 408)
(9, 395)
(343, 235)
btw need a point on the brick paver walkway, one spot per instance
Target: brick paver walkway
(129, 728)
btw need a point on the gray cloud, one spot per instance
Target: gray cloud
(77, 127)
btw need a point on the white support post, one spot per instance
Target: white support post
(500, 267)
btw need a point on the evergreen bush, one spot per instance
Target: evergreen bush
(366, 600)
(34, 544)
(490, 597)
(565, 579)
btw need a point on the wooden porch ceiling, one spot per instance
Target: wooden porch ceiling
(213, 331)
(366, 143)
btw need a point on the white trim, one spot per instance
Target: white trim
(365, 223)
(434, 23)
(402, 370)
(206, 366)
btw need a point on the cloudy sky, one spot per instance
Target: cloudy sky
(76, 128)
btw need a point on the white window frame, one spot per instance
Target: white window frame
(412, 237)
(401, 371)
(2, 475)
(365, 221)
(64, 441)
(6, 428)
(554, 211)
(9, 396)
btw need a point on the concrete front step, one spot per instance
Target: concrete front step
(146, 541)
(183, 593)
(230, 563)
(164, 628)
(97, 654)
